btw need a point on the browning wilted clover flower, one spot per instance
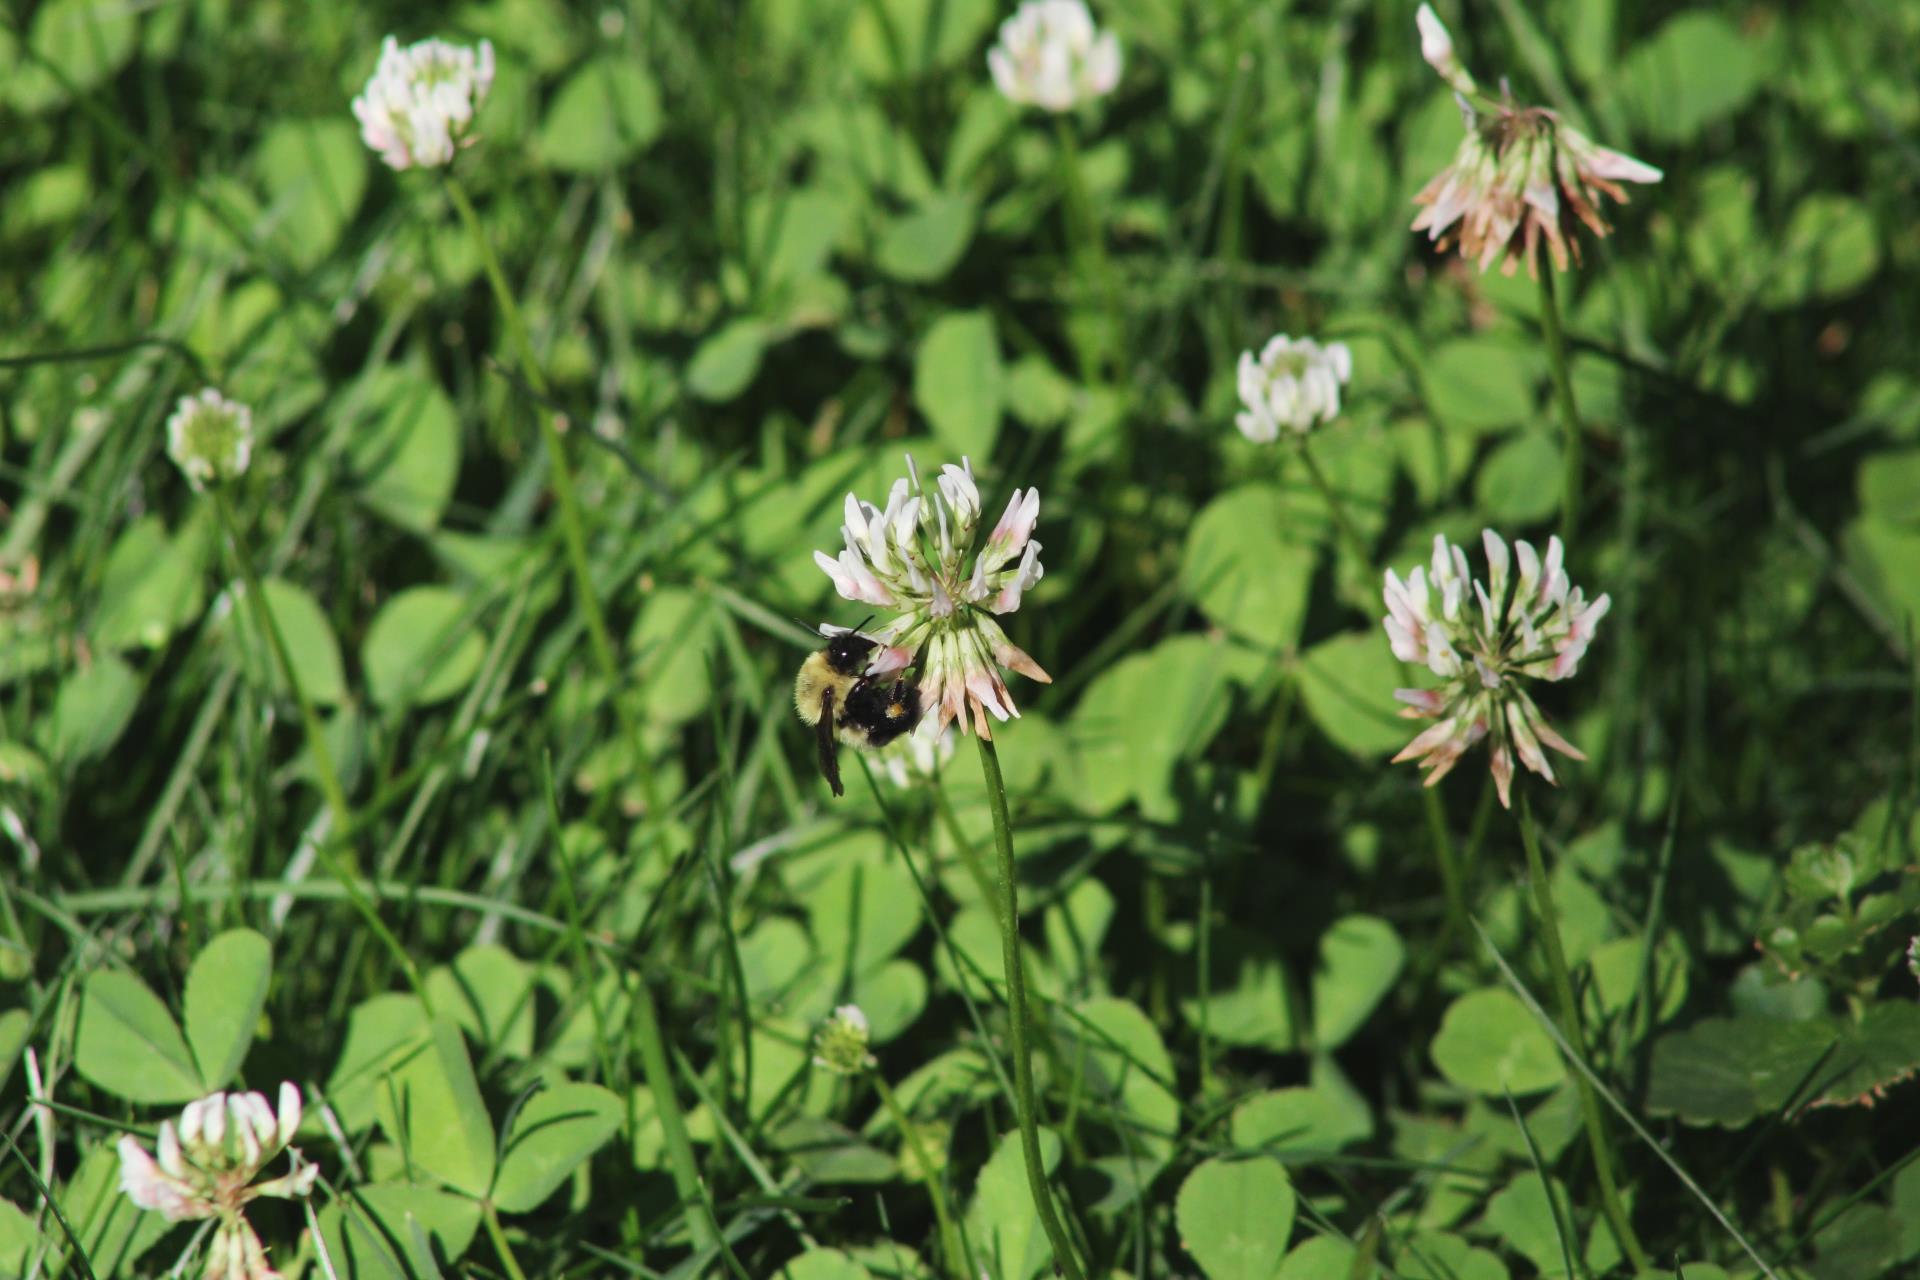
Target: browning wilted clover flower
(913, 558)
(841, 1043)
(210, 438)
(206, 1169)
(1050, 55)
(1294, 383)
(1485, 648)
(1521, 176)
(421, 100)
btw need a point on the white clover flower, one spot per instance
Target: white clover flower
(1484, 648)
(1050, 55)
(1294, 383)
(1521, 178)
(421, 101)
(841, 1043)
(210, 438)
(206, 1169)
(912, 558)
(918, 757)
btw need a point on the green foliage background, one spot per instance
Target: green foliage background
(765, 249)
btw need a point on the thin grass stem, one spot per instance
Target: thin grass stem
(1549, 922)
(952, 1243)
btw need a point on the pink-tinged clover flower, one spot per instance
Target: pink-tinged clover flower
(1050, 55)
(916, 558)
(1293, 384)
(205, 1168)
(1521, 178)
(1484, 644)
(419, 105)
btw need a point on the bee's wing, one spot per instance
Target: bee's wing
(829, 752)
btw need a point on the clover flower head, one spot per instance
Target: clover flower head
(1522, 177)
(210, 438)
(1484, 643)
(1050, 55)
(420, 102)
(206, 1166)
(840, 1045)
(1293, 383)
(913, 557)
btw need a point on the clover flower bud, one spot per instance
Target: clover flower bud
(841, 1043)
(210, 438)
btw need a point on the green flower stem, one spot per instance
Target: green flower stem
(1563, 395)
(498, 1235)
(1348, 531)
(1610, 1203)
(959, 1257)
(1017, 1013)
(343, 869)
(703, 1229)
(1450, 877)
(572, 525)
(1087, 244)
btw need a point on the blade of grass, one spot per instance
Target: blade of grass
(1606, 1095)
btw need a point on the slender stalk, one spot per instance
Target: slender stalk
(1450, 878)
(959, 1257)
(328, 776)
(1563, 395)
(1348, 531)
(1017, 1014)
(1087, 244)
(701, 1225)
(343, 869)
(1549, 921)
(498, 1235)
(573, 527)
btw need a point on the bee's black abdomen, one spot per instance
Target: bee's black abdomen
(882, 712)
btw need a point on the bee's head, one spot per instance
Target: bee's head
(848, 652)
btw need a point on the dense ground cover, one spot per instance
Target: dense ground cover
(528, 880)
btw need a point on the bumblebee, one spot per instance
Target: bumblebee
(833, 694)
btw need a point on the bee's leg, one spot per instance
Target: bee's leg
(829, 753)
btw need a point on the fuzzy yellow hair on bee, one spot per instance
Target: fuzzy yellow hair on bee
(842, 704)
